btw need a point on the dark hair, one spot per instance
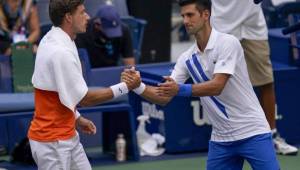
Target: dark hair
(200, 4)
(59, 8)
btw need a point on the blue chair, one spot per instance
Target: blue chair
(85, 64)
(277, 16)
(5, 75)
(137, 27)
(289, 12)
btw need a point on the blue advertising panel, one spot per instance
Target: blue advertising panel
(182, 121)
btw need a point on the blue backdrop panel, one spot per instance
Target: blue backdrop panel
(178, 121)
(280, 46)
(106, 76)
(3, 133)
(12, 102)
(17, 130)
(287, 83)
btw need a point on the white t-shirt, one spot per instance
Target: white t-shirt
(58, 68)
(236, 113)
(241, 18)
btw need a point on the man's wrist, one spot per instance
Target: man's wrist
(185, 90)
(119, 89)
(139, 90)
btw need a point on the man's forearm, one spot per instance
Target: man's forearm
(94, 97)
(213, 87)
(151, 95)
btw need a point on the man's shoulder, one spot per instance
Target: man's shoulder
(53, 45)
(227, 37)
(59, 53)
(227, 40)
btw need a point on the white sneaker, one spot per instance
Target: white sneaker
(283, 148)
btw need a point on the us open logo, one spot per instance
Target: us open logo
(199, 116)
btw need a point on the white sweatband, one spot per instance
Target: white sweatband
(77, 114)
(119, 89)
(139, 90)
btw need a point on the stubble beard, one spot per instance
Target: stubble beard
(193, 32)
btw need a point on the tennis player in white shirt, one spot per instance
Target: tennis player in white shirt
(217, 66)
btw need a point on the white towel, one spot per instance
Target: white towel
(58, 68)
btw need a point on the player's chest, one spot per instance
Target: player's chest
(204, 61)
(201, 65)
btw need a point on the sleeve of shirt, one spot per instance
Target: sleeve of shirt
(180, 73)
(127, 47)
(229, 55)
(70, 84)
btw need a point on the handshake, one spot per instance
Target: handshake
(131, 77)
(160, 94)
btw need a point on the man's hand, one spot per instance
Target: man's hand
(86, 126)
(168, 89)
(131, 77)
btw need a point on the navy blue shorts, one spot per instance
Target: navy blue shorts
(257, 150)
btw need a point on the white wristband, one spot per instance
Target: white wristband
(119, 89)
(77, 114)
(139, 90)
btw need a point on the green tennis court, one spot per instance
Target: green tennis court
(194, 163)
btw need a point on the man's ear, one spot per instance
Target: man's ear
(68, 18)
(206, 13)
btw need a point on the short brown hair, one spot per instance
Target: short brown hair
(201, 4)
(59, 8)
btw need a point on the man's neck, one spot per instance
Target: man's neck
(202, 37)
(67, 29)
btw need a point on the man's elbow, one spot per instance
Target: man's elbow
(86, 100)
(218, 90)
